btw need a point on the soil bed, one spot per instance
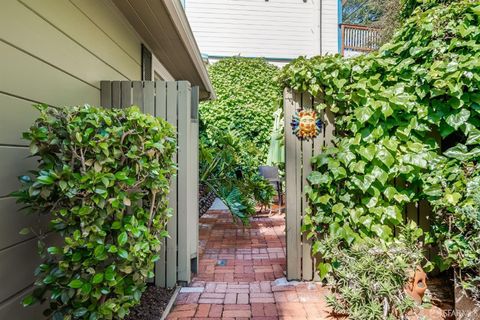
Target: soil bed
(152, 304)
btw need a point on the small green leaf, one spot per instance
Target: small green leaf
(47, 180)
(97, 278)
(29, 300)
(122, 238)
(338, 208)
(76, 284)
(86, 288)
(24, 231)
(123, 253)
(324, 269)
(80, 312)
(116, 225)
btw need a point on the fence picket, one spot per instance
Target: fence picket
(169, 100)
(307, 151)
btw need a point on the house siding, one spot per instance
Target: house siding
(279, 29)
(54, 52)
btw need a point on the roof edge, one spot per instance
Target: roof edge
(179, 18)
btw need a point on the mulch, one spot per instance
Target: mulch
(152, 304)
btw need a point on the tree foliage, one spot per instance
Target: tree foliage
(392, 109)
(383, 15)
(247, 96)
(103, 176)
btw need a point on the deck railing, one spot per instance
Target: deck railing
(359, 38)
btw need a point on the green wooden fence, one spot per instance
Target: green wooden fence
(298, 154)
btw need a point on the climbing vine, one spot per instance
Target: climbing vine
(399, 113)
(247, 96)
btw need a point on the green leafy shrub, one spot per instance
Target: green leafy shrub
(103, 176)
(247, 96)
(262, 190)
(228, 170)
(369, 277)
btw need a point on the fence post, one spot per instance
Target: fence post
(292, 201)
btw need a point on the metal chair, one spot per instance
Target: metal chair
(271, 174)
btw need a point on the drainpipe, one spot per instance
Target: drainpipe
(321, 29)
(340, 21)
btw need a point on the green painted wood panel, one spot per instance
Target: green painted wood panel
(292, 232)
(13, 220)
(111, 21)
(79, 27)
(161, 112)
(33, 79)
(14, 162)
(17, 265)
(184, 198)
(17, 116)
(53, 47)
(307, 151)
(13, 310)
(172, 226)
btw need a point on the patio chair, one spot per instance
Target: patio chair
(271, 174)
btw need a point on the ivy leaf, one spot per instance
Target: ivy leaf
(473, 137)
(453, 198)
(390, 192)
(358, 167)
(363, 114)
(324, 269)
(338, 208)
(386, 157)
(458, 119)
(382, 231)
(368, 152)
(317, 178)
(415, 160)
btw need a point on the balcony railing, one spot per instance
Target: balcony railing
(359, 39)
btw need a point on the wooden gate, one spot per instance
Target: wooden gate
(300, 263)
(176, 102)
(298, 154)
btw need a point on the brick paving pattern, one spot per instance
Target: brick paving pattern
(241, 275)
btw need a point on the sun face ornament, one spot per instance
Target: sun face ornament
(306, 124)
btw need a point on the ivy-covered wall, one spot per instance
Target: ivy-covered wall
(405, 116)
(247, 95)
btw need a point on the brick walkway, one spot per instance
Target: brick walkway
(241, 275)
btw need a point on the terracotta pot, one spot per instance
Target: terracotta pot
(465, 307)
(417, 284)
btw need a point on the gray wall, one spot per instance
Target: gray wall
(55, 52)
